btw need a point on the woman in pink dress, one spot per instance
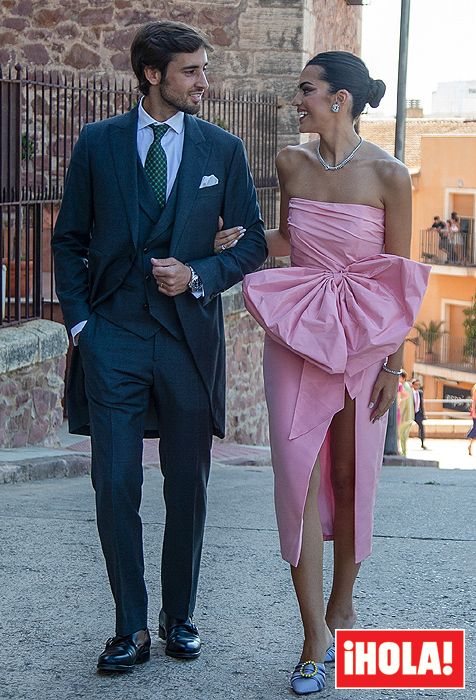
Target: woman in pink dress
(335, 322)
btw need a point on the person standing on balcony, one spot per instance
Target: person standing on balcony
(443, 243)
(335, 321)
(139, 285)
(419, 410)
(437, 223)
(472, 412)
(456, 237)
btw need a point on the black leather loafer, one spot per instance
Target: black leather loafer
(123, 653)
(181, 637)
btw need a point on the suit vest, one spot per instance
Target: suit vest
(137, 304)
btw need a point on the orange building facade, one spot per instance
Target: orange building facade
(445, 182)
(441, 156)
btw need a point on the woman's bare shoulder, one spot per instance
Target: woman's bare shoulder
(390, 172)
(291, 155)
(384, 161)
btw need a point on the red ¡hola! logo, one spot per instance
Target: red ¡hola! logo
(399, 658)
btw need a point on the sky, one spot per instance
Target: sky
(442, 46)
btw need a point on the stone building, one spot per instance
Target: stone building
(260, 45)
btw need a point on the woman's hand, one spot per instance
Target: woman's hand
(383, 394)
(227, 238)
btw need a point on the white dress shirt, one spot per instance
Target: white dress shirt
(416, 399)
(172, 141)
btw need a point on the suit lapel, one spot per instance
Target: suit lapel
(196, 152)
(123, 141)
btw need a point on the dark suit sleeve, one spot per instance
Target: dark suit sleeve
(72, 236)
(240, 208)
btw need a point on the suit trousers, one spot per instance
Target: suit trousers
(122, 372)
(421, 427)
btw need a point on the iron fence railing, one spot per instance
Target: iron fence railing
(438, 247)
(41, 115)
(447, 351)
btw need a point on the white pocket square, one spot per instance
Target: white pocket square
(208, 181)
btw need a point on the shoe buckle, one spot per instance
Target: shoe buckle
(311, 674)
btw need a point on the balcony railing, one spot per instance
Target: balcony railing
(449, 352)
(439, 248)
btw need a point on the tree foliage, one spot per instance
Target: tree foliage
(469, 324)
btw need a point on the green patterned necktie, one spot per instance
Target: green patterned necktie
(156, 164)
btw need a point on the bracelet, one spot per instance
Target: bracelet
(395, 372)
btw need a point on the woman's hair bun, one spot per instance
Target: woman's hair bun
(376, 92)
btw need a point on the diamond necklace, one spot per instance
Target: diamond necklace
(340, 165)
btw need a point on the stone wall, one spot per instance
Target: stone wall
(247, 417)
(32, 368)
(259, 44)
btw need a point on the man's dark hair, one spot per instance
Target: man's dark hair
(155, 44)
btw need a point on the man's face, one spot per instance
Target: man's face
(183, 86)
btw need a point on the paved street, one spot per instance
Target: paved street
(56, 611)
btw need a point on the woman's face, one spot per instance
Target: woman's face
(313, 101)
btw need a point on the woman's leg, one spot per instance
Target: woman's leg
(307, 578)
(340, 610)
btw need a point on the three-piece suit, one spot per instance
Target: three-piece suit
(148, 364)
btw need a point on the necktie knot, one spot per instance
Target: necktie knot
(159, 130)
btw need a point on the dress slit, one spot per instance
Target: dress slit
(294, 459)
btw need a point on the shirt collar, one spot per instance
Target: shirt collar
(175, 122)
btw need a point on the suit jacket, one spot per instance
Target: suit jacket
(96, 236)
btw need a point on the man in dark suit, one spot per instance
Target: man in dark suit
(139, 285)
(419, 410)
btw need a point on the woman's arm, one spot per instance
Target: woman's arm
(398, 225)
(397, 198)
(277, 239)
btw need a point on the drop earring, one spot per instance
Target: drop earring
(335, 107)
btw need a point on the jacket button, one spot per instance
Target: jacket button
(146, 250)
(145, 307)
(147, 277)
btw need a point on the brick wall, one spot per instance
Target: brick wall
(247, 416)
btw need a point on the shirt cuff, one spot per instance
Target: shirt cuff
(76, 330)
(199, 293)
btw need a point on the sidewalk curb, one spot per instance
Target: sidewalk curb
(401, 461)
(44, 468)
(80, 464)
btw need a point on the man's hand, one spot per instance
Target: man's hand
(171, 275)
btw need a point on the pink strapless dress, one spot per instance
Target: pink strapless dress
(330, 319)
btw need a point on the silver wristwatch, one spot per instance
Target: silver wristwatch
(195, 284)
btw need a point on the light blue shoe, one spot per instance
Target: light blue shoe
(308, 677)
(330, 656)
